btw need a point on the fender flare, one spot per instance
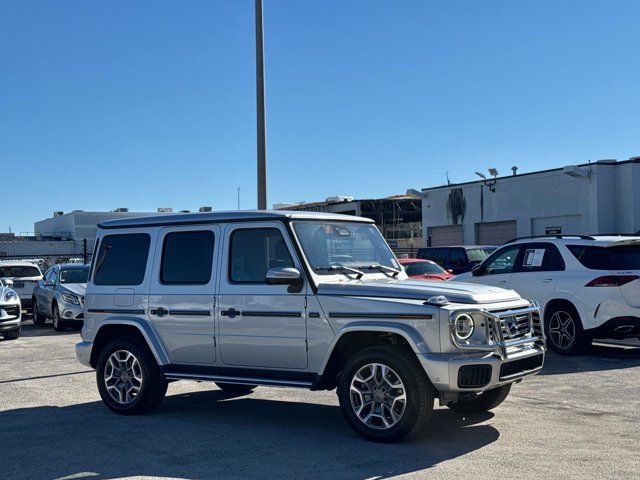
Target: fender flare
(149, 335)
(409, 333)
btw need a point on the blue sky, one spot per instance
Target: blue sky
(149, 104)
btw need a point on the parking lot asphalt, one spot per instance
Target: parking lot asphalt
(580, 418)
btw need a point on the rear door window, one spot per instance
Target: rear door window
(187, 258)
(122, 259)
(437, 255)
(457, 258)
(539, 257)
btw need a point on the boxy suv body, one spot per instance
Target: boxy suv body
(308, 300)
(587, 286)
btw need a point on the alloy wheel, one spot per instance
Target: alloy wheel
(562, 329)
(378, 396)
(123, 377)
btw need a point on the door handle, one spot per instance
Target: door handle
(159, 312)
(231, 313)
(502, 282)
(547, 280)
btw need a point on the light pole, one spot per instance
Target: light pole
(260, 111)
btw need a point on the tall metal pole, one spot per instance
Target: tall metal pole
(260, 111)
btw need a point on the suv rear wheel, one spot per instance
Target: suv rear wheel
(129, 379)
(564, 332)
(384, 394)
(481, 403)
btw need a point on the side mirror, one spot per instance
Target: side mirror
(48, 283)
(448, 270)
(7, 282)
(478, 271)
(284, 276)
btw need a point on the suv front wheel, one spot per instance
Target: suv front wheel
(129, 379)
(384, 394)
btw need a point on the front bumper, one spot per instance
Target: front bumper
(83, 353)
(10, 317)
(480, 372)
(71, 313)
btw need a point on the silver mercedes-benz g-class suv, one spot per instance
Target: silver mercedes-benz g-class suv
(296, 299)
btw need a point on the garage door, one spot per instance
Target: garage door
(496, 233)
(445, 235)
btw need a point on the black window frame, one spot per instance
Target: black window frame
(146, 263)
(230, 255)
(162, 257)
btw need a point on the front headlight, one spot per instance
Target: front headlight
(10, 295)
(463, 326)
(70, 299)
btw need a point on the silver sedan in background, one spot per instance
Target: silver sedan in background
(60, 296)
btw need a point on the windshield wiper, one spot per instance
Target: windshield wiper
(383, 268)
(343, 269)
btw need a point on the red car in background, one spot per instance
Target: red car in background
(420, 269)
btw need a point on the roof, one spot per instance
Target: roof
(71, 266)
(580, 239)
(226, 216)
(598, 163)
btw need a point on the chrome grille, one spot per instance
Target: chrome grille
(515, 326)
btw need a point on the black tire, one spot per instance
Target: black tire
(417, 389)
(38, 318)
(59, 325)
(565, 338)
(153, 387)
(235, 387)
(12, 334)
(481, 403)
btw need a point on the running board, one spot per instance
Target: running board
(268, 382)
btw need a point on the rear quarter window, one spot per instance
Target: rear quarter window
(624, 257)
(122, 259)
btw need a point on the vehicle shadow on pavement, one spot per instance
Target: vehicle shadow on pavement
(598, 358)
(32, 330)
(211, 434)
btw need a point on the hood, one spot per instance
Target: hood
(455, 292)
(76, 288)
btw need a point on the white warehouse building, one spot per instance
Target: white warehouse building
(594, 198)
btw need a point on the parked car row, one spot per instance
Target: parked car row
(58, 294)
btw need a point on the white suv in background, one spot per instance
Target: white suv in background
(587, 286)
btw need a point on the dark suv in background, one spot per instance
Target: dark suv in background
(457, 259)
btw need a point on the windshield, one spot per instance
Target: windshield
(423, 268)
(19, 271)
(479, 254)
(74, 275)
(349, 244)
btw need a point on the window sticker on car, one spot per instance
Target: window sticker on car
(533, 257)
